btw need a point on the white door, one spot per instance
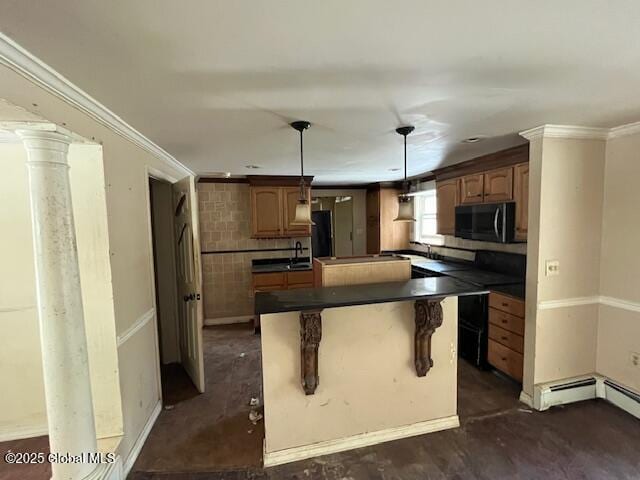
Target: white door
(190, 313)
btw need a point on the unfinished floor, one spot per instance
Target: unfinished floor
(207, 436)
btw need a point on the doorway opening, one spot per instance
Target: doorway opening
(333, 234)
(175, 382)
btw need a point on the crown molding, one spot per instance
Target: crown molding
(624, 130)
(24, 63)
(566, 131)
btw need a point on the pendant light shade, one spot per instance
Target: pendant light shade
(303, 209)
(405, 203)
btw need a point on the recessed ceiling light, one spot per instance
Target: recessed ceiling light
(252, 167)
(394, 169)
(472, 139)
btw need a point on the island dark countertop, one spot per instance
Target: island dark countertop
(330, 297)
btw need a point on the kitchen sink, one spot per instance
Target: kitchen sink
(299, 266)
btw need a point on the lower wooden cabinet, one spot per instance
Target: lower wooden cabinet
(506, 334)
(273, 281)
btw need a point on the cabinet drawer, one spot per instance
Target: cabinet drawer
(269, 281)
(506, 360)
(506, 338)
(300, 278)
(506, 304)
(506, 321)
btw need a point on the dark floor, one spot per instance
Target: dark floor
(209, 436)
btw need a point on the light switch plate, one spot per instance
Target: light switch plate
(552, 268)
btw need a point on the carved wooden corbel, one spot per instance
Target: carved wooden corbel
(428, 318)
(310, 336)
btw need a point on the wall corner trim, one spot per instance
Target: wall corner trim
(357, 441)
(137, 446)
(16, 58)
(566, 131)
(624, 130)
(9, 434)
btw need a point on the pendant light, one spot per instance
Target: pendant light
(303, 209)
(405, 205)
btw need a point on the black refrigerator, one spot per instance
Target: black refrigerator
(321, 244)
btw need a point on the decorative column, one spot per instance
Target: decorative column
(310, 336)
(428, 318)
(62, 332)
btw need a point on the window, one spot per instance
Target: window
(426, 213)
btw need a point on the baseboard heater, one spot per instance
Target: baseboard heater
(585, 388)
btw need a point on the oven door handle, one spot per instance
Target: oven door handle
(495, 223)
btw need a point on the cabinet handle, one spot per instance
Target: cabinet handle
(504, 338)
(505, 304)
(504, 320)
(504, 359)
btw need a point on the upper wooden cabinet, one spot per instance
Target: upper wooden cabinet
(521, 196)
(472, 188)
(273, 209)
(447, 197)
(382, 232)
(498, 185)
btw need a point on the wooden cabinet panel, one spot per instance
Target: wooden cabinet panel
(300, 279)
(447, 197)
(498, 185)
(373, 221)
(266, 282)
(505, 359)
(266, 211)
(521, 195)
(506, 321)
(472, 188)
(507, 304)
(290, 199)
(382, 232)
(506, 338)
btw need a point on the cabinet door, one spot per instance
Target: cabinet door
(447, 193)
(266, 212)
(291, 196)
(268, 282)
(521, 195)
(472, 188)
(498, 185)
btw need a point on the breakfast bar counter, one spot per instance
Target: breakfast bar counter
(344, 367)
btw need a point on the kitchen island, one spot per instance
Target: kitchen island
(349, 366)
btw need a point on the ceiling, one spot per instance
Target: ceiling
(215, 83)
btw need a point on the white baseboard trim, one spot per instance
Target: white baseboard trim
(137, 447)
(593, 300)
(586, 387)
(526, 399)
(208, 322)
(358, 441)
(7, 435)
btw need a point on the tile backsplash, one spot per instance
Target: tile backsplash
(225, 224)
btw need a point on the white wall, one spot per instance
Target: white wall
(619, 327)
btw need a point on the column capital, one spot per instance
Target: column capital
(35, 139)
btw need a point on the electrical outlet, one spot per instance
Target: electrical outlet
(635, 359)
(552, 268)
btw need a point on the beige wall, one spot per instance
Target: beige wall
(566, 198)
(225, 224)
(359, 213)
(358, 392)
(125, 177)
(22, 408)
(619, 328)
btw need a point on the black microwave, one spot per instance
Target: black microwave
(488, 222)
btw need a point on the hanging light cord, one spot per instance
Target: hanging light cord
(302, 195)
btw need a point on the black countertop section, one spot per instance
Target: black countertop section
(266, 265)
(516, 290)
(441, 266)
(330, 297)
(483, 278)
